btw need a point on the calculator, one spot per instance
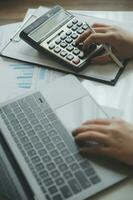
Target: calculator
(55, 33)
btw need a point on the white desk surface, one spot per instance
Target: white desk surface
(119, 96)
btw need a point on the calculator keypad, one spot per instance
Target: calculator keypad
(63, 42)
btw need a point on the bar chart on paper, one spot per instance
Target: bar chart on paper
(24, 74)
(16, 78)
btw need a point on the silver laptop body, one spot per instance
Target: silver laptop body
(38, 156)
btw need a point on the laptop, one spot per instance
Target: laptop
(38, 156)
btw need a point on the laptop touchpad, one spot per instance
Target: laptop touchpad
(75, 113)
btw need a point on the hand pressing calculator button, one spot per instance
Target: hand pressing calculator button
(55, 32)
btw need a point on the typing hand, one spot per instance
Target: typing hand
(120, 40)
(115, 138)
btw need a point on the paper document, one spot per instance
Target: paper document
(17, 78)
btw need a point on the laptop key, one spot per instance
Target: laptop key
(34, 139)
(60, 181)
(46, 159)
(48, 182)
(28, 146)
(95, 179)
(50, 166)
(66, 192)
(57, 197)
(39, 167)
(68, 175)
(50, 146)
(42, 152)
(66, 137)
(38, 145)
(11, 116)
(74, 186)
(52, 133)
(31, 133)
(47, 197)
(54, 153)
(20, 133)
(44, 121)
(44, 174)
(74, 166)
(89, 171)
(52, 189)
(7, 109)
(38, 128)
(63, 167)
(35, 159)
(82, 179)
(55, 173)
(60, 146)
(58, 160)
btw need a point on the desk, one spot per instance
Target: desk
(120, 96)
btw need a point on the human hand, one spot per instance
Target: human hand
(120, 41)
(114, 138)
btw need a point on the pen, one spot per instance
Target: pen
(114, 58)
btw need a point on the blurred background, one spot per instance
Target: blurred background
(14, 10)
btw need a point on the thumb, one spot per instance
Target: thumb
(97, 38)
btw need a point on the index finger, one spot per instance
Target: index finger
(98, 122)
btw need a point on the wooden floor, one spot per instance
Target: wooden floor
(14, 10)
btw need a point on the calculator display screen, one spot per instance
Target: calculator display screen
(50, 24)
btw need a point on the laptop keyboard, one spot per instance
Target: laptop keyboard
(47, 148)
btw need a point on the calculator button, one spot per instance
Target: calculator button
(81, 55)
(58, 41)
(63, 37)
(76, 51)
(63, 53)
(74, 44)
(76, 60)
(70, 48)
(79, 23)
(69, 40)
(70, 25)
(63, 44)
(80, 31)
(70, 57)
(74, 35)
(74, 28)
(74, 21)
(51, 46)
(85, 27)
(69, 32)
(57, 50)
